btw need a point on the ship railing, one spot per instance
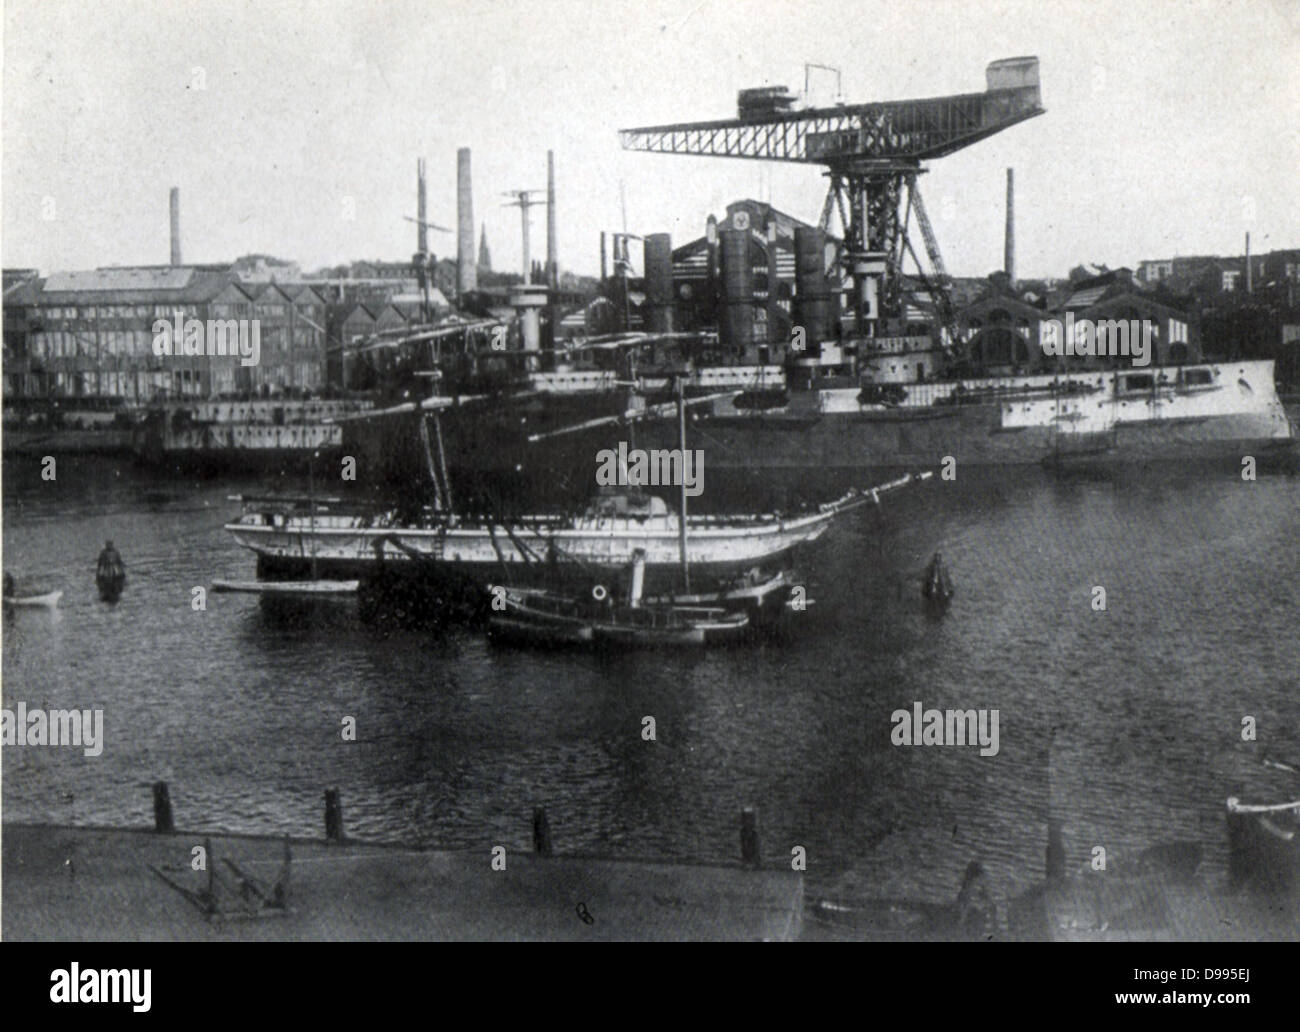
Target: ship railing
(957, 392)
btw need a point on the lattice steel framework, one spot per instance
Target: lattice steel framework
(872, 154)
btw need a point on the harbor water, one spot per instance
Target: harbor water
(1125, 724)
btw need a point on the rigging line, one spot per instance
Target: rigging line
(562, 554)
(492, 535)
(528, 554)
(494, 519)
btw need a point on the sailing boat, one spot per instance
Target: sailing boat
(545, 617)
(298, 538)
(1264, 841)
(541, 617)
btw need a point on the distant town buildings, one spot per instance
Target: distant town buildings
(90, 333)
(1206, 276)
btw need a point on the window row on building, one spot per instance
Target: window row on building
(92, 333)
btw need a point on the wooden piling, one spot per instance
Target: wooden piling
(750, 849)
(211, 862)
(541, 832)
(282, 886)
(333, 816)
(1055, 851)
(162, 809)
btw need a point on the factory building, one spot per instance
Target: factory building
(758, 275)
(91, 334)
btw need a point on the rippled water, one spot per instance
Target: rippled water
(1124, 724)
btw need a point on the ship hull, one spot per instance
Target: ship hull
(660, 578)
(1020, 422)
(972, 434)
(597, 553)
(259, 436)
(1263, 853)
(217, 461)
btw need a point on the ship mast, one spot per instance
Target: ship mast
(681, 528)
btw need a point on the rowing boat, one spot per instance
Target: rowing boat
(47, 601)
(301, 589)
(1264, 845)
(548, 618)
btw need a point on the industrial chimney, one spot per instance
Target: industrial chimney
(466, 270)
(176, 225)
(552, 259)
(1009, 258)
(421, 201)
(659, 282)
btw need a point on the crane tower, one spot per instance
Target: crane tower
(872, 154)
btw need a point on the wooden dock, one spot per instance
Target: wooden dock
(85, 884)
(161, 885)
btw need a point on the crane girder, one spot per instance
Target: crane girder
(904, 131)
(872, 154)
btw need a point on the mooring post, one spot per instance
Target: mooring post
(333, 816)
(1055, 851)
(541, 832)
(211, 861)
(162, 809)
(281, 891)
(750, 850)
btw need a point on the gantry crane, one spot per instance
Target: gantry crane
(873, 155)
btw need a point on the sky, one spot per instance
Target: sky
(293, 128)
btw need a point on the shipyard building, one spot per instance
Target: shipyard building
(90, 334)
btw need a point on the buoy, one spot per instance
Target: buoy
(937, 587)
(110, 574)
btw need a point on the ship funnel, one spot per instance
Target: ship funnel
(737, 325)
(636, 583)
(659, 282)
(812, 289)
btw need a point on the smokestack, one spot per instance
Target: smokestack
(466, 270)
(773, 280)
(604, 273)
(1250, 282)
(1009, 259)
(176, 225)
(422, 233)
(552, 258)
(524, 205)
(659, 282)
(711, 251)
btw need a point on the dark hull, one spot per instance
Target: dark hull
(214, 461)
(1261, 855)
(659, 580)
(22, 441)
(492, 456)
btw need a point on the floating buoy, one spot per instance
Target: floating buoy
(110, 574)
(937, 588)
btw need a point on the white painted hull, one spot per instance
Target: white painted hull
(304, 589)
(604, 544)
(47, 601)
